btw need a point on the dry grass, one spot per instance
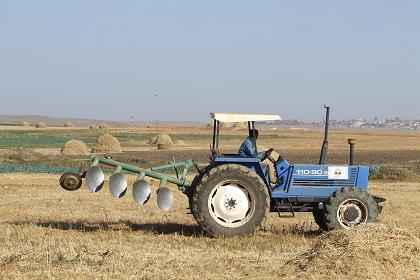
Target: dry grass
(75, 147)
(41, 125)
(359, 253)
(164, 142)
(103, 126)
(107, 143)
(65, 235)
(25, 124)
(240, 125)
(163, 139)
(48, 233)
(225, 125)
(69, 124)
(93, 126)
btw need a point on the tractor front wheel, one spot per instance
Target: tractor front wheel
(230, 200)
(349, 207)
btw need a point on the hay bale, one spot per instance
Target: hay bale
(225, 125)
(240, 126)
(25, 124)
(69, 124)
(41, 125)
(163, 139)
(103, 126)
(152, 140)
(93, 126)
(164, 142)
(167, 146)
(150, 125)
(368, 251)
(75, 147)
(107, 143)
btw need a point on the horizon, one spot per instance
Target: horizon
(20, 117)
(163, 60)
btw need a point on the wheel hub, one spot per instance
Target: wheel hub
(70, 181)
(229, 205)
(351, 212)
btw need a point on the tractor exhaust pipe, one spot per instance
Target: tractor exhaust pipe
(352, 143)
(324, 149)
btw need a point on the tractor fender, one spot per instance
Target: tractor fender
(252, 163)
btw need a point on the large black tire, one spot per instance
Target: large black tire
(241, 179)
(319, 218)
(348, 207)
(195, 182)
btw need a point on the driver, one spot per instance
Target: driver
(248, 147)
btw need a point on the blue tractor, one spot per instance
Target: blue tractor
(233, 195)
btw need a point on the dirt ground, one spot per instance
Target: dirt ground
(48, 233)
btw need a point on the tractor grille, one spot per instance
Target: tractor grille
(328, 182)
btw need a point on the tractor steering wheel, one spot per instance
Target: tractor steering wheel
(267, 154)
(273, 161)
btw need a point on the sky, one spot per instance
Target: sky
(179, 60)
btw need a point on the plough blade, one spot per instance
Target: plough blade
(141, 192)
(95, 179)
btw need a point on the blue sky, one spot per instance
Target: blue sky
(108, 59)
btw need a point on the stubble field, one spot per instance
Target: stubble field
(48, 233)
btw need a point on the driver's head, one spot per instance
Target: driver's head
(251, 133)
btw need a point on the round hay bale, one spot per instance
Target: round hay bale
(75, 148)
(41, 125)
(225, 125)
(150, 125)
(25, 124)
(163, 139)
(103, 126)
(152, 140)
(107, 143)
(93, 126)
(167, 146)
(240, 125)
(69, 124)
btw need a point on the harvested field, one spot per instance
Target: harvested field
(85, 235)
(47, 232)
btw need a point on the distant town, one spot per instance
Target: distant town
(392, 124)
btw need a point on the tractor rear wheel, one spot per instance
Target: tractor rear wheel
(349, 207)
(319, 218)
(230, 200)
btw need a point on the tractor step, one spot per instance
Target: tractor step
(285, 209)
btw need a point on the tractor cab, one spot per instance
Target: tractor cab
(251, 161)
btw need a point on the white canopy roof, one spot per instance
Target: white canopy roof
(230, 117)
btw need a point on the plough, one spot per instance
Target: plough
(95, 178)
